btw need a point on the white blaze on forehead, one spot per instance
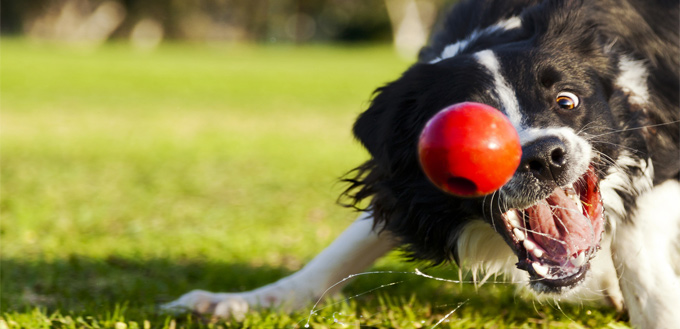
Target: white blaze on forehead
(457, 47)
(502, 90)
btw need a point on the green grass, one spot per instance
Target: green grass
(130, 178)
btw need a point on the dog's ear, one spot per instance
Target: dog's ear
(371, 128)
(386, 128)
(390, 127)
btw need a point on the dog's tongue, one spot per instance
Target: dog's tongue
(559, 226)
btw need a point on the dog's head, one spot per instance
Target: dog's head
(552, 75)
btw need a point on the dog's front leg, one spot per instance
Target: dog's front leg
(646, 255)
(354, 250)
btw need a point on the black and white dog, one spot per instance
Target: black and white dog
(593, 211)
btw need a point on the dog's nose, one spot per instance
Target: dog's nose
(545, 158)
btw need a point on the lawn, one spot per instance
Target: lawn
(129, 178)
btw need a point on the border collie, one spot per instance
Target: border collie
(593, 211)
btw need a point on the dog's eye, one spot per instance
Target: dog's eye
(567, 101)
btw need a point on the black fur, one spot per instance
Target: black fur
(569, 43)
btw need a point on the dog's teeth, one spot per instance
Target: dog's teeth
(579, 260)
(537, 252)
(513, 219)
(528, 245)
(571, 193)
(541, 270)
(519, 234)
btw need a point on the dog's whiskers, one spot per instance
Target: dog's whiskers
(617, 145)
(632, 129)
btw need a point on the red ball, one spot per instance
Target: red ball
(469, 149)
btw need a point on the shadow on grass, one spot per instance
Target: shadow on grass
(80, 284)
(84, 286)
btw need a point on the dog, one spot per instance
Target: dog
(593, 210)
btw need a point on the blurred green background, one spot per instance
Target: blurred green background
(148, 148)
(147, 22)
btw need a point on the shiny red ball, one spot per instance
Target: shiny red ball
(469, 149)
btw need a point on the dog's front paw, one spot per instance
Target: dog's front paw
(223, 305)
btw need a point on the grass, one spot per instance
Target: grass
(130, 178)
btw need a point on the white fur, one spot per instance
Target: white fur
(645, 253)
(457, 47)
(633, 80)
(506, 95)
(618, 179)
(483, 251)
(355, 249)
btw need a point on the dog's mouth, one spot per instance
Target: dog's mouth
(556, 237)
